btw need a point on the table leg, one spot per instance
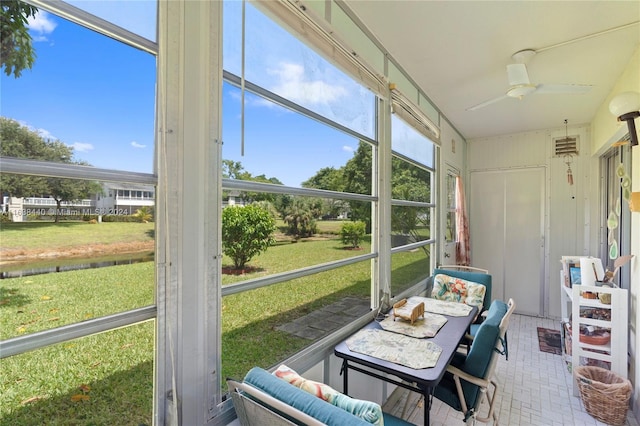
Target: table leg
(345, 380)
(427, 405)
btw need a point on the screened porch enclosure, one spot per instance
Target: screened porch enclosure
(313, 142)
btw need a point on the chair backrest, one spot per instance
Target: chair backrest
(487, 345)
(504, 324)
(477, 277)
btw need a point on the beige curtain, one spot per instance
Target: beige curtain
(462, 227)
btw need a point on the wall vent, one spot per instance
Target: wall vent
(566, 146)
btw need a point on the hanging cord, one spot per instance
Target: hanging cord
(569, 172)
(162, 155)
(568, 160)
(242, 80)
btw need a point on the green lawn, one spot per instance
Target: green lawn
(107, 378)
(49, 235)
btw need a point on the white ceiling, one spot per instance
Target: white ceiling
(457, 52)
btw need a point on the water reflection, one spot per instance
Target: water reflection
(64, 265)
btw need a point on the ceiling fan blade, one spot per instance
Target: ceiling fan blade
(563, 88)
(517, 74)
(485, 103)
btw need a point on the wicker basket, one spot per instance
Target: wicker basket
(605, 394)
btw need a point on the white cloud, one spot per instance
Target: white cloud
(42, 25)
(137, 145)
(45, 134)
(294, 85)
(347, 148)
(81, 146)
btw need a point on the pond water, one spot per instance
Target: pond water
(26, 269)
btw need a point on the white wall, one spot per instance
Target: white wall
(566, 221)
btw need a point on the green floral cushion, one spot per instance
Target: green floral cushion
(454, 289)
(366, 410)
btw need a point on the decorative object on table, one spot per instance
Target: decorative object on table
(605, 394)
(396, 348)
(427, 326)
(549, 341)
(408, 311)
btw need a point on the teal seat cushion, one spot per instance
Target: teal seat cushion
(301, 400)
(497, 310)
(390, 420)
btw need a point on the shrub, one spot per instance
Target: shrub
(246, 232)
(144, 214)
(352, 233)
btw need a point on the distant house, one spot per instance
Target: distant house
(115, 199)
(120, 199)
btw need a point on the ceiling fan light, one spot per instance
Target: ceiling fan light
(521, 90)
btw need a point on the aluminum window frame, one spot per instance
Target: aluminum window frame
(38, 340)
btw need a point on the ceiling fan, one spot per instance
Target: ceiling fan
(520, 85)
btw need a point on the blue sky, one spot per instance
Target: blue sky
(98, 95)
(88, 91)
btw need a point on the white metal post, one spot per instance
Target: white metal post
(189, 190)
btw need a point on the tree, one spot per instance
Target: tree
(331, 179)
(246, 232)
(328, 178)
(409, 183)
(357, 176)
(70, 190)
(301, 217)
(234, 170)
(16, 50)
(18, 141)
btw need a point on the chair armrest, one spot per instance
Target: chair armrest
(264, 407)
(467, 377)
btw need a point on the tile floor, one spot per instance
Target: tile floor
(535, 387)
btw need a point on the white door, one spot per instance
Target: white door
(506, 224)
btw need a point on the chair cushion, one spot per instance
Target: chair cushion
(446, 287)
(476, 277)
(369, 411)
(300, 400)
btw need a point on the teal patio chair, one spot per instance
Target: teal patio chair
(469, 378)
